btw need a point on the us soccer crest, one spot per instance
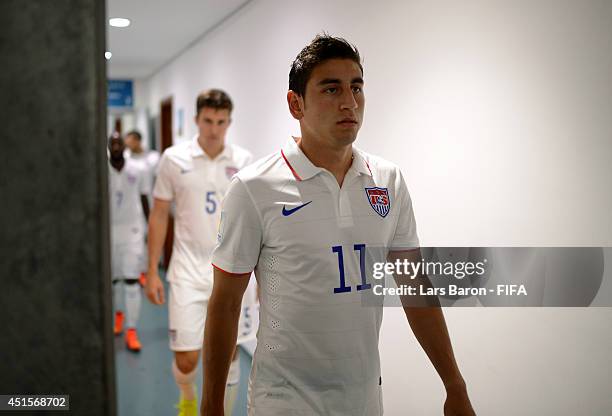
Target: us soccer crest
(379, 200)
(230, 171)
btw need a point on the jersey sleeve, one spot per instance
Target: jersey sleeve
(164, 182)
(239, 237)
(248, 160)
(406, 231)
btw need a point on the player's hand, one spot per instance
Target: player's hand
(154, 289)
(458, 403)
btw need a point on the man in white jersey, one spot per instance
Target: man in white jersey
(129, 208)
(195, 176)
(135, 151)
(148, 160)
(305, 219)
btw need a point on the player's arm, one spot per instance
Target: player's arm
(145, 206)
(239, 244)
(220, 336)
(158, 224)
(144, 187)
(427, 322)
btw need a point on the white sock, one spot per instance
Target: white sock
(117, 292)
(233, 376)
(132, 304)
(185, 382)
(231, 387)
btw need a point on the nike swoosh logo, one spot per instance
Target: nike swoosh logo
(287, 212)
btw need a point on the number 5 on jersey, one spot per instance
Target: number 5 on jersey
(211, 204)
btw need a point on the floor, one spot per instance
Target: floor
(145, 385)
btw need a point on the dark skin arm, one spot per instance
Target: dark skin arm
(427, 322)
(145, 206)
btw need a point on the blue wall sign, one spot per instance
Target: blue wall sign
(120, 93)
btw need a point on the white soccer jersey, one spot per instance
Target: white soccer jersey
(126, 213)
(148, 160)
(311, 244)
(196, 184)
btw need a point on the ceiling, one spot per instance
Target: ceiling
(160, 31)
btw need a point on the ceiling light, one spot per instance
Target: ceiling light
(108, 55)
(119, 22)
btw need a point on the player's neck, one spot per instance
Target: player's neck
(137, 151)
(212, 149)
(336, 160)
(118, 164)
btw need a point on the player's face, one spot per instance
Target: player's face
(213, 124)
(116, 147)
(334, 102)
(132, 143)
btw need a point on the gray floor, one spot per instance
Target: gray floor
(145, 385)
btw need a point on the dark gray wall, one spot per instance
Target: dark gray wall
(55, 329)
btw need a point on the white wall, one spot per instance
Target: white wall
(498, 113)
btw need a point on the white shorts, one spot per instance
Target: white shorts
(187, 315)
(127, 259)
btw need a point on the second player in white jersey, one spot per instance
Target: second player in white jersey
(194, 176)
(196, 183)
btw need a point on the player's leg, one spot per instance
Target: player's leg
(187, 314)
(144, 260)
(131, 265)
(117, 305)
(184, 368)
(116, 258)
(142, 279)
(133, 302)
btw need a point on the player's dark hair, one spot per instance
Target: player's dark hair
(136, 134)
(214, 98)
(322, 48)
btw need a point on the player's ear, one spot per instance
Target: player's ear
(295, 103)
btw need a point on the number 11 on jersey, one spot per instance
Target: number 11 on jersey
(343, 287)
